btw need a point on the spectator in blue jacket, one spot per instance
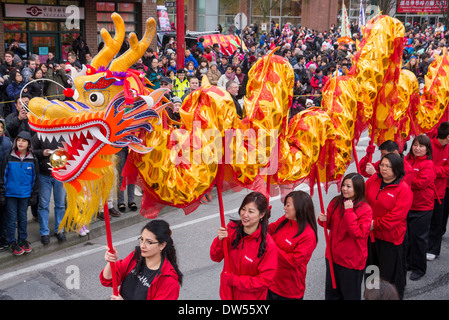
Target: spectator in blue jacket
(190, 57)
(19, 187)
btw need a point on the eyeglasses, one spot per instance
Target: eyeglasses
(385, 166)
(146, 242)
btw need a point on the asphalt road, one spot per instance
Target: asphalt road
(73, 273)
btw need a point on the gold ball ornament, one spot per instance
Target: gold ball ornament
(58, 159)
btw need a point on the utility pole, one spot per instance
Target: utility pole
(180, 34)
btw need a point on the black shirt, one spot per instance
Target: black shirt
(135, 286)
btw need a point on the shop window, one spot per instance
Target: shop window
(14, 25)
(291, 8)
(228, 7)
(43, 26)
(128, 11)
(43, 2)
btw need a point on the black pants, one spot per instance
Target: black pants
(274, 296)
(436, 227)
(416, 238)
(445, 211)
(348, 283)
(390, 260)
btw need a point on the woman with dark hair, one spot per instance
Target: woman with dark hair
(420, 214)
(36, 89)
(390, 198)
(252, 252)
(295, 235)
(151, 271)
(16, 83)
(349, 220)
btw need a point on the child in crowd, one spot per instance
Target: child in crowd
(19, 187)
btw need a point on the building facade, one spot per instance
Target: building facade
(42, 26)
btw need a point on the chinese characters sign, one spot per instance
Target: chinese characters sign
(427, 6)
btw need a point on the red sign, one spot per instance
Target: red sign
(426, 6)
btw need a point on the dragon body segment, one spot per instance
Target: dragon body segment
(177, 163)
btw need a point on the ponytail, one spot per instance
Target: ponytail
(161, 230)
(262, 205)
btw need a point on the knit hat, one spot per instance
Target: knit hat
(176, 100)
(24, 135)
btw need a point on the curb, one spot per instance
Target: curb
(97, 229)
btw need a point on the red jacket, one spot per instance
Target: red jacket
(349, 234)
(165, 286)
(293, 256)
(440, 155)
(390, 208)
(315, 81)
(250, 275)
(364, 161)
(422, 183)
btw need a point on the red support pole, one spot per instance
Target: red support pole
(326, 235)
(180, 34)
(107, 223)
(356, 158)
(219, 184)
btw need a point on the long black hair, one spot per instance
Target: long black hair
(304, 212)
(161, 229)
(262, 205)
(424, 140)
(358, 184)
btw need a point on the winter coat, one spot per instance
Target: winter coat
(13, 89)
(250, 276)
(39, 146)
(422, 183)
(15, 126)
(390, 208)
(52, 90)
(349, 231)
(213, 76)
(19, 178)
(294, 254)
(165, 286)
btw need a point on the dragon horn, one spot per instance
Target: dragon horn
(112, 46)
(136, 50)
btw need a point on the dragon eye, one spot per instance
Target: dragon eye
(96, 99)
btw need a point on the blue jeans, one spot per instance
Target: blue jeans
(16, 212)
(46, 184)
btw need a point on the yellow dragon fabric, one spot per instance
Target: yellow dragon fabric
(177, 163)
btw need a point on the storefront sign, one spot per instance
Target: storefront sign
(39, 12)
(425, 6)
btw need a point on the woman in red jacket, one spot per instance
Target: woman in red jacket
(349, 220)
(151, 271)
(390, 198)
(440, 157)
(420, 215)
(295, 235)
(252, 252)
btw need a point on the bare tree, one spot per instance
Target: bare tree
(386, 6)
(444, 7)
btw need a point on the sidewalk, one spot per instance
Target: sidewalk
(96, 228)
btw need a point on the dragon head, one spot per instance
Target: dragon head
(111, 107)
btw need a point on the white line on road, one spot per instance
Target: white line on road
(51, 263)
